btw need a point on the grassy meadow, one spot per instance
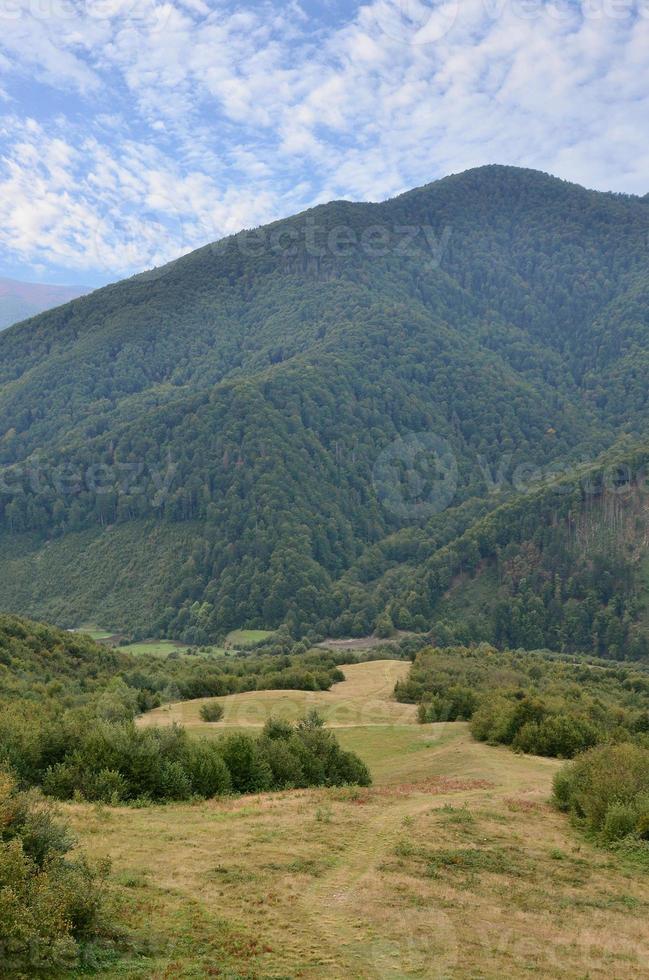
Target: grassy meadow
(246, 638)
(452, 864)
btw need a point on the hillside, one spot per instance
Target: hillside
(212, 444)
(562, 565)
(20, 300)
(451, 832)
(452, 864)
(38, 661)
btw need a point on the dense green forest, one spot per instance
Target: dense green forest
(216, 443)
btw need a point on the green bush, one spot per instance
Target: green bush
(607, 789)
(108, 786)
(537, 702)
(52, 906)
(249, 769)
(212, 711)
(562, 789)
(117, 762)
(562, 737)
(208, 772)
(620, 821)
(492, 721)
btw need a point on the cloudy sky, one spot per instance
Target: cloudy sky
(135, 130)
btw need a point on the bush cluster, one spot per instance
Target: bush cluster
(607, 789)
(52, 906)
(528, 724)
(540, 703)
(117, 762)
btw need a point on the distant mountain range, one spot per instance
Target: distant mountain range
(348, 421)
(20, 300)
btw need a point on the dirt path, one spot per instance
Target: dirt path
(370, 935)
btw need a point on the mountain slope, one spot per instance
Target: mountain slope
(242, 407)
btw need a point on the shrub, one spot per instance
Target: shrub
(108, 786)
(491, 722)
(276, 728)
(607, 788)
(207, 770)
(212, 711)
(562, 737)
(115, 762)
(620, 821)
(249, 770)
(562, 789)
(454, 704)
(51, 906)
(175, 781)
(284, 762)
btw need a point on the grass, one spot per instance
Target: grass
(160, 648)
(451, 865)
(363, 699)
(96, 632)
(246, 638)
(163, 648)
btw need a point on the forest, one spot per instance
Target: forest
(224, 441)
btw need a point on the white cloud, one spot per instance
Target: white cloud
(188, 120)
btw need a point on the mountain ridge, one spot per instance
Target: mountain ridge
(20, 300)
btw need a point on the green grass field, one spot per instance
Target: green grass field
(159, 648)
(452, 865)
(246, 638)
(96, 632)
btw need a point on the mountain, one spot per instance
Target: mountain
(20, 300)
(295, 423)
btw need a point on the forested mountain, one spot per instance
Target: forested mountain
(216, 443)
(19, 300)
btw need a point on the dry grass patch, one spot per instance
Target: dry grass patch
(363, 699)
(452, 876)
(451, 865)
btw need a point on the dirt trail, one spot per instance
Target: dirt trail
(350, 907)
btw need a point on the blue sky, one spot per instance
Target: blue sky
(135, 130)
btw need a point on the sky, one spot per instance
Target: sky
(132, 131)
